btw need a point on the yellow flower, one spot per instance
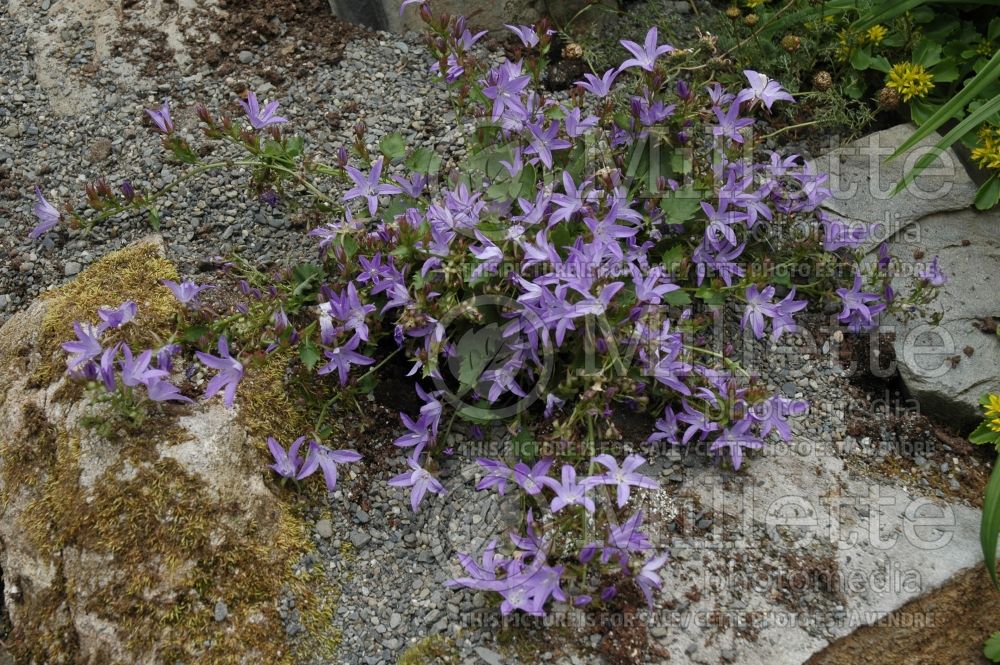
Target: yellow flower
(995, 424)
(987, 155)
(984, 48)
(992, 406)
(910, 80)
(876, 34)
(754, 4)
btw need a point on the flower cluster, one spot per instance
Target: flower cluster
(116, 367)
(571, 271)
(582, 527)
(910, 80)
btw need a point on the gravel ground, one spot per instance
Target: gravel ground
(380, 78)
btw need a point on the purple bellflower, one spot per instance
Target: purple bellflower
(230, 372)
(261, 118)
(48, 216)
(323, 458)
(161, 117)
(624, 477)
(187, 291)
(645, 55)
(421, 482)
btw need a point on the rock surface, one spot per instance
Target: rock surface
(861, 182)
(949, 366)
(123, 548)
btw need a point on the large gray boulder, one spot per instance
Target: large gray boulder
(948, 366)
(118, 544)
(862, 181)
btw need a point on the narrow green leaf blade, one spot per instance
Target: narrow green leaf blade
(989, 527)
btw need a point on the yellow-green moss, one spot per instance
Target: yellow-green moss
(133, 273)
(28, 454)
(173, 550)
(266, 408)
(432, 649)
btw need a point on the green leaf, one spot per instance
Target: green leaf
(524, 447)
(194, 333)
(971, 121)
(920, 111)
(983, 434)
(989, 527)
(989, 194)
(392, 146)
(711, 296)
(991, 649)
(945, 71)
(927, 53)
(854, 88)
(861, 59)
(476, 350)
(295, 145)
(309, 354)
(423, 160)
(881, 64)
(678, 298)
(154, 219)
(307, 276)
(993, 32)
(681, 205)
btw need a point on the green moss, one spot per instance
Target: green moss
(266, 408)
(28, 454)
(133, 273)
(432, 649)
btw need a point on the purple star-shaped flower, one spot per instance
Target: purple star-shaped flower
(118, 316)
(569, 492)
(421, 482)
(599, 86)
(230, 372)
(85, 348)
(497, 475)
(932, 274)
(322, 457)
(161, 390)
(525, 33)
(286, 463)
(161, 117)
(860, 307)
(187, 291)
(736, 438)
(647, 579)
(342, 357)
(261, 118)
(368, 187)
(730, 123)
(624, 477)
(762, 89)
(533, 478)
(48, 216)
(645, 55)
(135, 369)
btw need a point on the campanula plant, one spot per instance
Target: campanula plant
(570, 271)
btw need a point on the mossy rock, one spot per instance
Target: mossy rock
(117, 550)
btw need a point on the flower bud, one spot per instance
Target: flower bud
(683, 90)
(572, 51)
(888, 98)
(751, 19)
(822, 80)
(791, 43)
